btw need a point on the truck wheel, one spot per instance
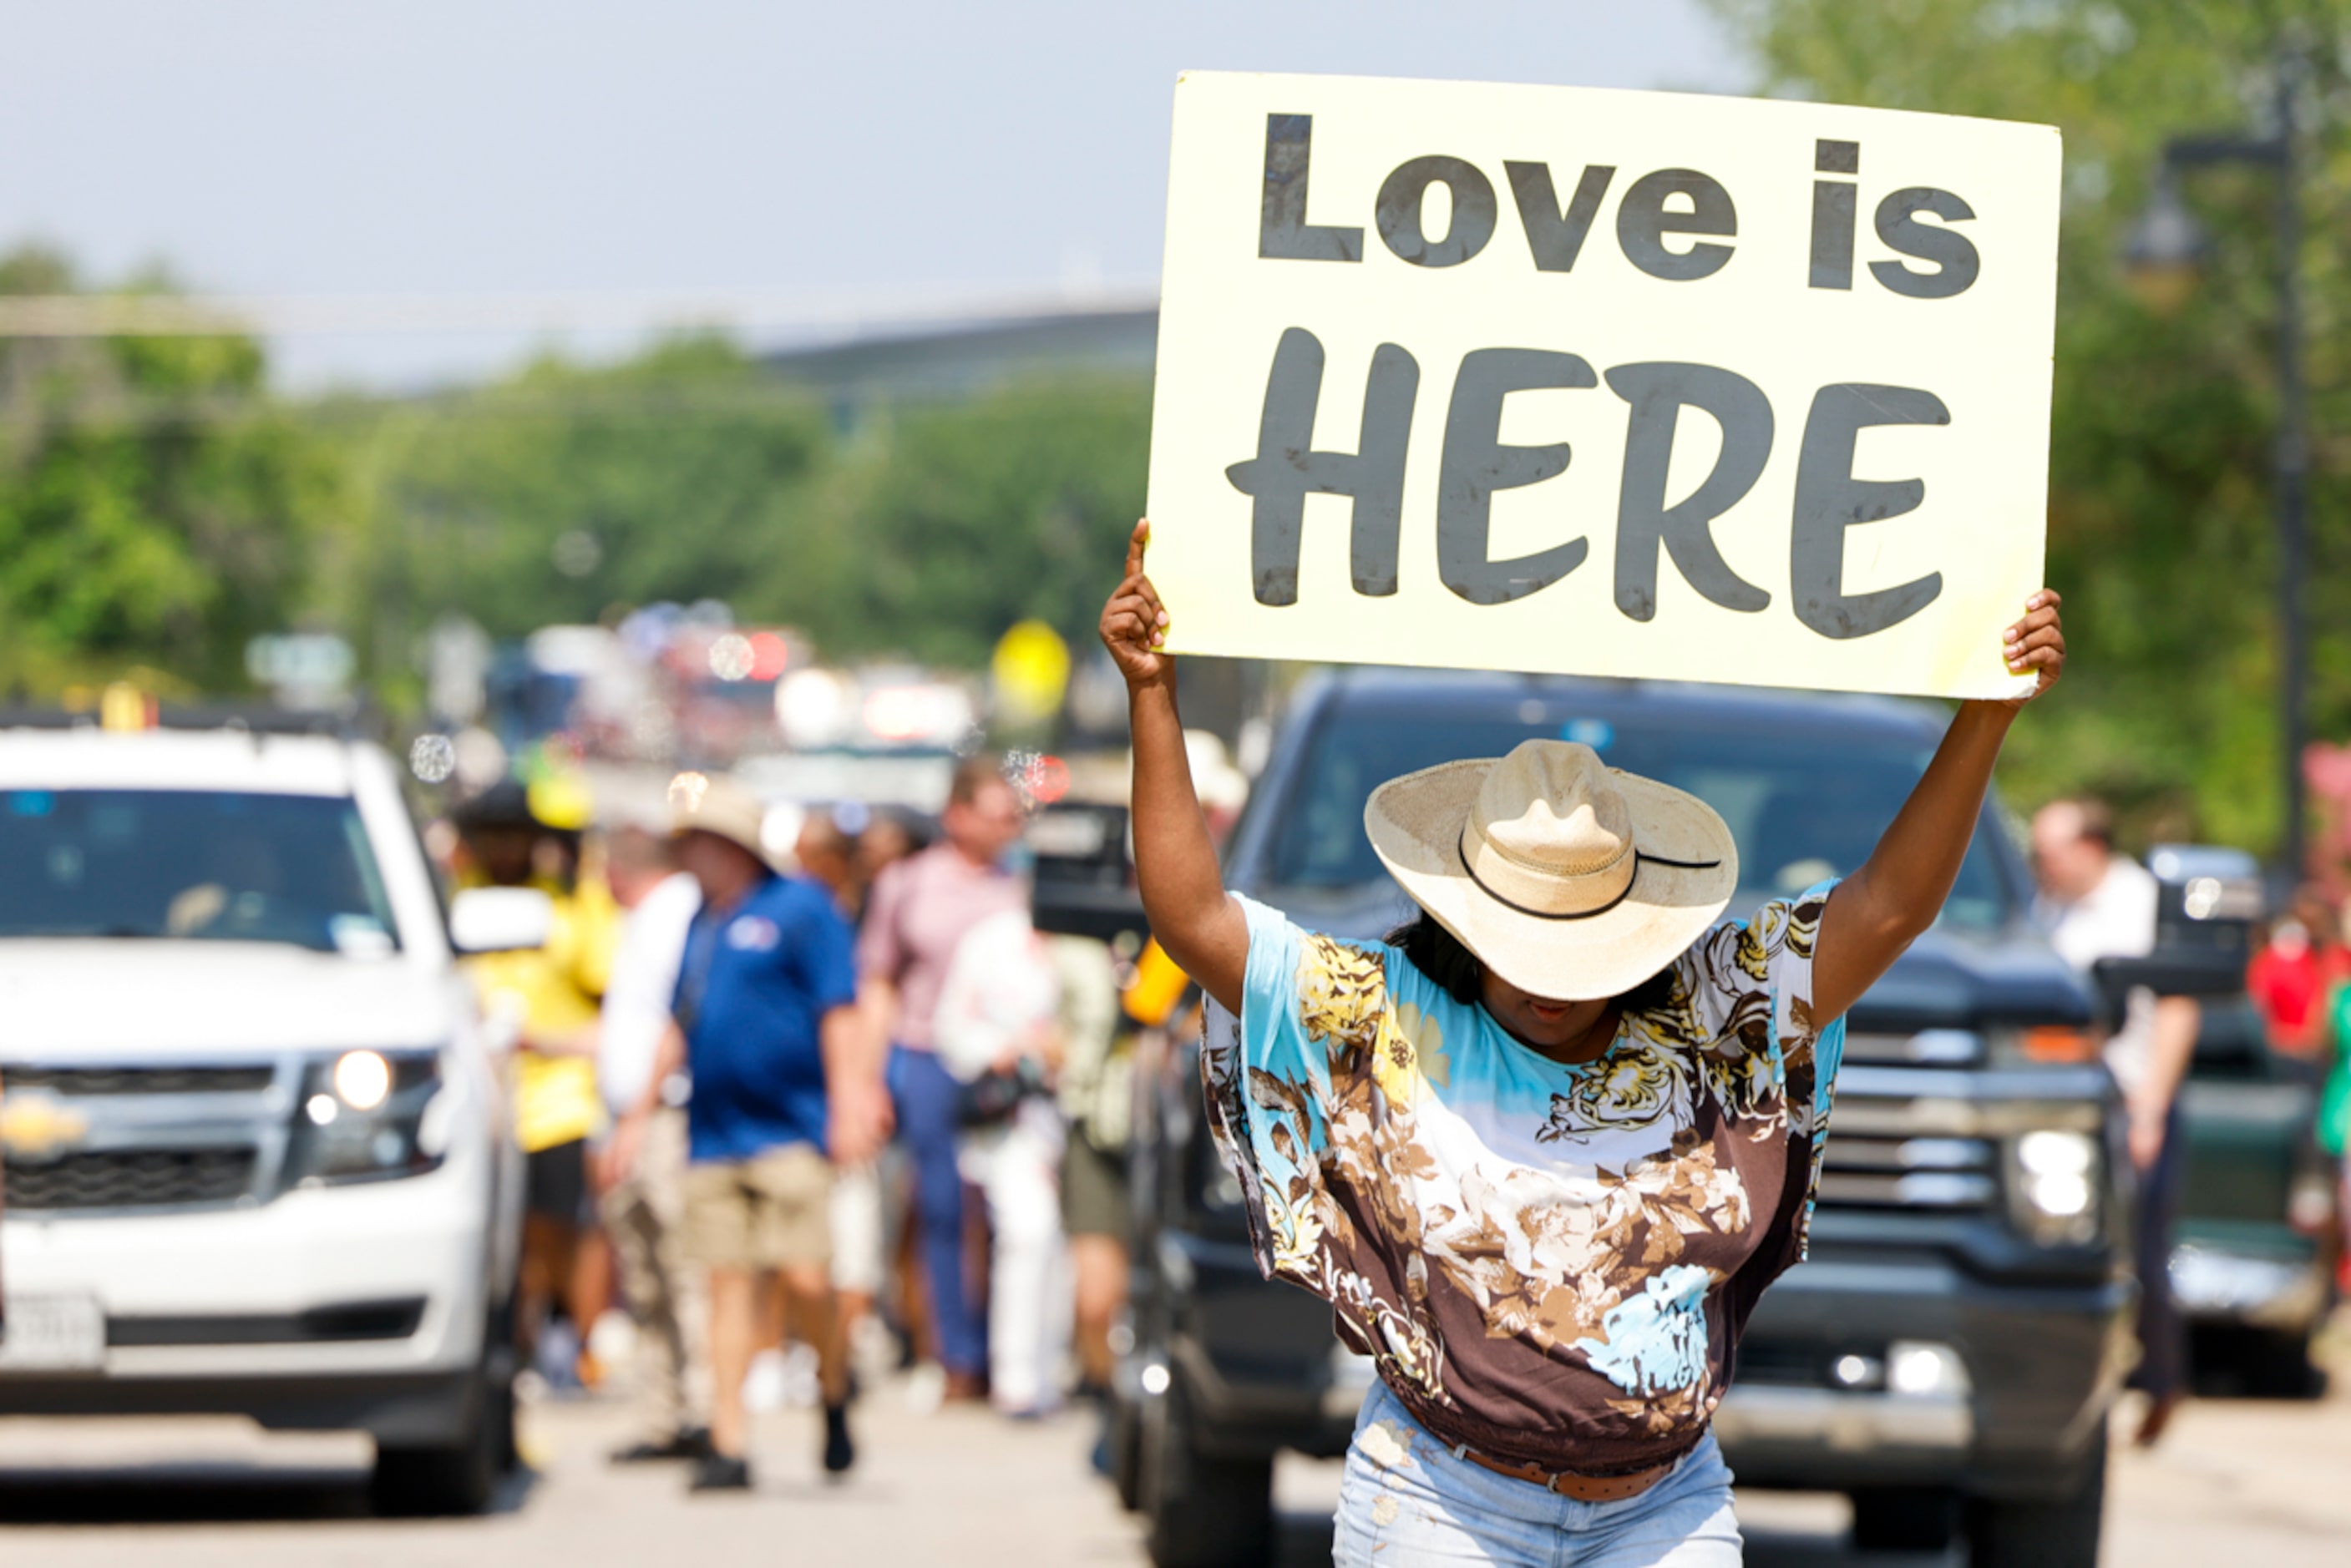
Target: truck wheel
(458, 1478)
(1202, 1510)
(1125, 1440)
(2061, 1533)
(1904, 1519)
(2277, 1366)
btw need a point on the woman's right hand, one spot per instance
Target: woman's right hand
(1134, 623)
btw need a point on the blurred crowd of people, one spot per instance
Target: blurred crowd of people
(796, 1117)
(2097, 903)
(2300, 979)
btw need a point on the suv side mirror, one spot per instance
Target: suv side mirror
(2171, 972)
(499, 920)
(2207, 899)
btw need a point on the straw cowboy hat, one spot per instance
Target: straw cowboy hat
(721, 807)
(1570, 879)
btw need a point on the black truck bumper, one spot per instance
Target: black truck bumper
(1911, 1372)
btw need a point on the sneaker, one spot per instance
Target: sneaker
(559, 1357)
(693, 1443)
(799, 1388)
(840, 1452)
(720, 1472)
(927, 1388)
(764, 1384)
(874, 1355)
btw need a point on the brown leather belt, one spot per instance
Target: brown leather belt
(1580, 1489)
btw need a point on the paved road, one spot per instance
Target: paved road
(2236, 1483)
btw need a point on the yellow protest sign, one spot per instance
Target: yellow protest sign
(1610, 383)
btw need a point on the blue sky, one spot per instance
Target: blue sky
(888, 154)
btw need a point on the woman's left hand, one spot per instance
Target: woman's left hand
(2036, 643)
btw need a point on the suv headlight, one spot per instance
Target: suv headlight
(361, 1117)
(2054, 1180)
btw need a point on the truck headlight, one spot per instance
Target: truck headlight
(361, 1118)
(2039, 1045)
(363, 1079)
(2054, 1179)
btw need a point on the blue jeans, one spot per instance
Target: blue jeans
(1407, 1499)
(925, 1096)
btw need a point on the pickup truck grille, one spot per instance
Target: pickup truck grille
(1891, 1150)
(1908, 1173)
(144, 1178)
(139, 1080)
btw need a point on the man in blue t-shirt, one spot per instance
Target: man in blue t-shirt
(767, 1029)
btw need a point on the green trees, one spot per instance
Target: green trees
(560, 491)
(953, 521)
(2160, 535)
(689, 473)
(155, 510)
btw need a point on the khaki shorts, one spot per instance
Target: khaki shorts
(763, 1213)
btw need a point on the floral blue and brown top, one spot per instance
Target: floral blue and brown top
(1550, 1264)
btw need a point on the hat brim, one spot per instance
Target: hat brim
(1416, 824)
(736, 833)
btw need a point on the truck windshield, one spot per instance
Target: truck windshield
(1801, 808)
(201, 865)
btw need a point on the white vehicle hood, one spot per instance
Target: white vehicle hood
(172, 1000)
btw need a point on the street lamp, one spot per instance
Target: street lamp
(2166, 248)
(2164, 254)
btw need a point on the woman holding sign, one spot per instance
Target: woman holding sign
(1544, 1151)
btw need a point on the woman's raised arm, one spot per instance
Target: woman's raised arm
(1192, 917)
(1883, 908)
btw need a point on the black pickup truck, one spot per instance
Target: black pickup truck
(1948, 1355)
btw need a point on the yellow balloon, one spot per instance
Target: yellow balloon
(1031, 670)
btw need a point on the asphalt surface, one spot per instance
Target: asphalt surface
(2235, 1481)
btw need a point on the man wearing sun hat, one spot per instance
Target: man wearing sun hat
(767, 1032)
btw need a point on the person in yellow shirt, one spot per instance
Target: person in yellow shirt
(550, 997)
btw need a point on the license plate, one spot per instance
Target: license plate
(52, 1333)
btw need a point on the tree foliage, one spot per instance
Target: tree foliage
(561, 491)
(955, 520)
(565, 491)
(155, 509)
(2162, 520)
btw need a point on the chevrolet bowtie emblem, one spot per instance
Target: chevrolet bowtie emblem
(37, 1126)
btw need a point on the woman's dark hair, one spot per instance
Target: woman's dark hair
(1440, 955)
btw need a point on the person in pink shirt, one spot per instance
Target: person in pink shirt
(921, 909)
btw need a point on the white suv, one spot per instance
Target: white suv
(258, 1156)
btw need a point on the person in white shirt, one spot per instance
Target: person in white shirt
(2096, 904)
(642, 1207)
(997, 1033)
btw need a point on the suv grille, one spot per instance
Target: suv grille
(146, 1179)
(139, 1080)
